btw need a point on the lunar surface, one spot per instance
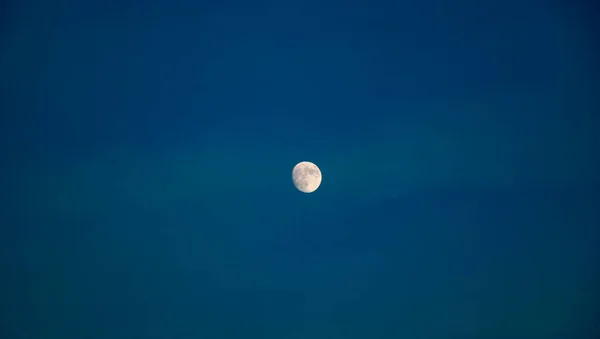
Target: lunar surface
(306, 177)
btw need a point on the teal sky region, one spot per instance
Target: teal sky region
(147, 150)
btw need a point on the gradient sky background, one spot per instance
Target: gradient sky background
(147, 149)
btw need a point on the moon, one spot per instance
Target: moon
(306, 177)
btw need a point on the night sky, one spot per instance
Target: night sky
(146, 154)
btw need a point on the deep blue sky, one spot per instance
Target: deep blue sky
(147, 149)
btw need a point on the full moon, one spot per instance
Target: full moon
(306, 177)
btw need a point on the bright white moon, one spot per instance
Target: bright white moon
(306, 177)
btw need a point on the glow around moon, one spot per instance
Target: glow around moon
(306, 177)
